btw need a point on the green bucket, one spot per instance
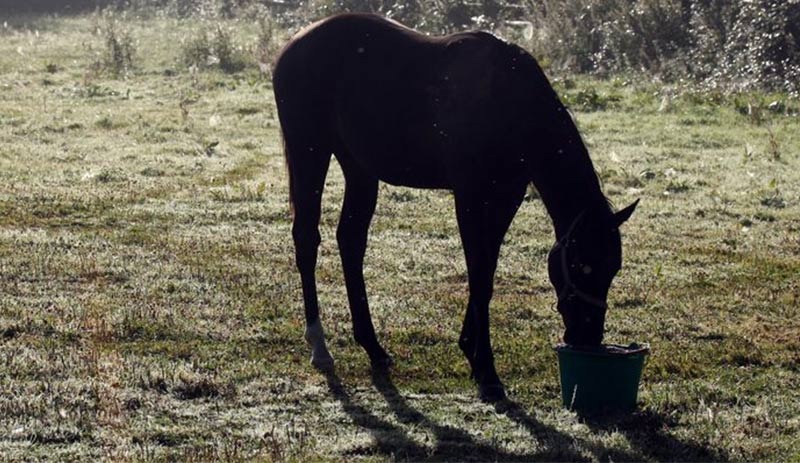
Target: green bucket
(601, 378)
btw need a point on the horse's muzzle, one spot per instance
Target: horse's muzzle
(583, 334)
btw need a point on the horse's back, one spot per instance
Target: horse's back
(340, 43)
(410, 108)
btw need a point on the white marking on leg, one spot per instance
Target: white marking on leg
(315, 336)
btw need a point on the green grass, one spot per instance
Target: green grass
(150, 308)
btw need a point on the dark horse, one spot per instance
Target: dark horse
(467, 112)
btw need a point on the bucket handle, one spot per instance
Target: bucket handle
(574, 396)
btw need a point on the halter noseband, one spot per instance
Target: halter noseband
(570, 289)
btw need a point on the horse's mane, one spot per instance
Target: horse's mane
(555, 105)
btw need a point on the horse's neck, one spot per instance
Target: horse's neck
(569, 187)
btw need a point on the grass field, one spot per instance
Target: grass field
(150, 308)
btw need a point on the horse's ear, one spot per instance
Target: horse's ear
(625, 214)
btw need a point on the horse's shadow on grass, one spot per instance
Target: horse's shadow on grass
(452, 444)
(644, 431)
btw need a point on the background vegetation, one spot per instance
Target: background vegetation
(149, 306)
(716, 42)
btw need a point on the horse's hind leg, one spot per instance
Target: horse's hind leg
(361, 193)
(308, 166)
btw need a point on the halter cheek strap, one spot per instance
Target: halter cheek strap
(570, 289)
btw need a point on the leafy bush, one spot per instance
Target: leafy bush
(435, 16)
(118, 54)
(266, 48)
(754, 43)
(763, 45)
(718, 42)
(214, 49)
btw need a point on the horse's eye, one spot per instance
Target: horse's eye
(587, 269)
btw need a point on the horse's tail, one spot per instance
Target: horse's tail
(277, 86)
(287, 161)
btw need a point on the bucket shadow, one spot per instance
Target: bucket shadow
(648, 434)
(560, 446)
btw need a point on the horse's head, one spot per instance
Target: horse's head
(582, 265)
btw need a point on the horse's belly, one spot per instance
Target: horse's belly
(416, 178)
(398, 163)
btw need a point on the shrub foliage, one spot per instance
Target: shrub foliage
(754, 43)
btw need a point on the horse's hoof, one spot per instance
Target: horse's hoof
(322, 363)
(491, 393)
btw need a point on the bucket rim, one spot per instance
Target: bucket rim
(602, 351)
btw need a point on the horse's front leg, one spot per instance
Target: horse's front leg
(361, 193)
(483, 221)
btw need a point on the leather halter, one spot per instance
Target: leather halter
(570, 290)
